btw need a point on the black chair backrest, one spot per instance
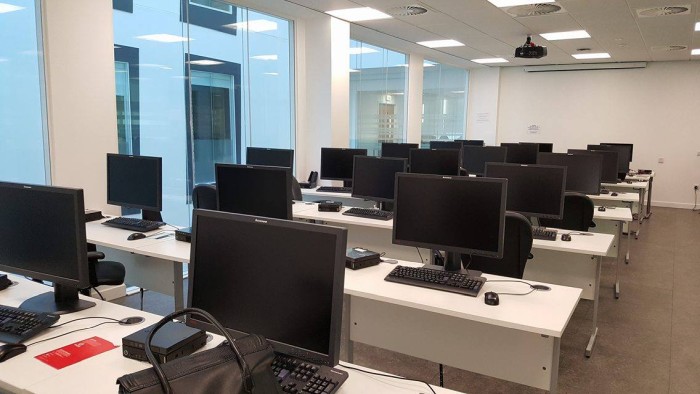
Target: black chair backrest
(517, 244)
(204, 196)
(578, 213)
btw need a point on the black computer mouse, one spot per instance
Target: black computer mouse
(601, 209)
(10, 350)
(491, 298)
(613, 194)
(136, 236)
(566, 237)
(127, 321)
(629, 182)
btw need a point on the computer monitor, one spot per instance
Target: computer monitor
(254, 190)
(454, 214)
(521, 153)
(533, 190)
(624, 156)
(373, 177)
(471, 142)
(43, 236)
(445, 145)
(609, 173)
(627, 145)
(270, 157)
(434, 161)
(541, 146)
(136, 182)
(276, 278)
(336, 163)
(474, 158)
(400, 150)
(583, 171)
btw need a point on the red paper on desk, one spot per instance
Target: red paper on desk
(75, 352)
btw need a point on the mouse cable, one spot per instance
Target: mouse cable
(419, 254)
(388, 376)
(86, 318)
(532, 287)
(70, 332)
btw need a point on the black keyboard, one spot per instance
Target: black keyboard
(544, 234)
(454, 282)
(369, 213)
(133, 224)
(18, 325)
(298, 376)
(334, 189)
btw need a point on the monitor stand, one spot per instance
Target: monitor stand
(64, 299)
(347, 183)
(151, 215)
(453, 263)
(385, 206)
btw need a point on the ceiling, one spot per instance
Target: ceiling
(488, 31)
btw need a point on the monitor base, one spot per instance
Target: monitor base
(47, 303)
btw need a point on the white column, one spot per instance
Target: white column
(482, 112)
(415, 99)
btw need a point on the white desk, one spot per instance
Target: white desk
(611, 221)
(645, 178)
(640, 188)
(313, 195)
(98, 374)
(622, 199)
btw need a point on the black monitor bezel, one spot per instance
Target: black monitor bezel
(332, 358)
(407, 145)
(288, 194)
(379, 159)
(359, 152)
(467, 148)
(159, 160)
(290, 152)
(422, 151)
(450, 143)
(596, 151)
(517, 145)
(550, 145)
(622, 144)
(587, 192)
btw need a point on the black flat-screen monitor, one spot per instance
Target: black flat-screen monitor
(627, 145)
(43, 236)
(395, 149)
(471, 142)
(533, 190)
(454, 214)
(276, 278)
(583, 171)
(135, 181)
(336, 163)
(624, 155)
(474, 158)
(445, 145)
(609, 174)
(521, 153)
(270, 157)
(541, 146)
(373, 177)
(254, 190)
(434, 161)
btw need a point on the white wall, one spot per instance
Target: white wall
(655, 108)
(482, 105)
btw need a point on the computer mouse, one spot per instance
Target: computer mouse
(629, 182)
(601, 209)
(136, 236)
(10, 350)
(127, 321)
(613, 194)
(566, 237)
(491, 298)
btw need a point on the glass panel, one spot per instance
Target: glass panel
(121, 77)
(444, 102)
(214, 5)
(22, 120)
(378, 79)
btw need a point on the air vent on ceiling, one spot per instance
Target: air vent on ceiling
(534, 9)
(663, 11)
(669, 48)
(407, 10)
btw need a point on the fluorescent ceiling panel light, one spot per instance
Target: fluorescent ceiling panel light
(361, 50)
(257, 25)
(513, 3)
(695, 52)
(457, 91)
(440, 43)
(169, 38)
(565, 35)
(428, 64)
(4, 8)
(359, 14)
(352, 70)
(264, 57)
(490, 60)
(206, 62)
(274, 74)
(697, 26)
(584, 56)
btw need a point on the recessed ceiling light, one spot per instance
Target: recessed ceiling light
(565, 35)
(4, 7)
(264, 57)
(359, 50)
(440, 43)
(584, 56)
(257, 25)
(512, 3)
(273, 74)
(697, 26)
(490, 60)
(427, 63)
(457, 91)
(206, 62)
(169, 38)
(358, 14)
(352, 70)
(695, 52)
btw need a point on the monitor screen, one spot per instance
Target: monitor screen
(533, 190)
(624, 155)
(373, 177)
(521, 153)
(630, 147)
(254, 190)
(583, 172)
(336, 163)
(290, 292)
(471, 142)
(474, 158)
(270, 157)
(135, 181)
(541, 146)
(609, 173)
(435, 161)
(393, 149)
(445, 145)
(454, 214)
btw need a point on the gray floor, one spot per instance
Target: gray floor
(648, 340)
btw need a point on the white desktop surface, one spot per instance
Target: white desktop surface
(621, 197)
(613, 213)
(596, 244)
(113, 237)
(624, 185)
(338, 217)
(320, 194)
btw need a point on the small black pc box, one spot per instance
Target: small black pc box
(172, 341)
(184, 234)
(358, 258)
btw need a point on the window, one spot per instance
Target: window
(214, 5)
(23, 152)
(378, 79)
(444, 102)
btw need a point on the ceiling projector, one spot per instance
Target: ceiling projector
(530, 51)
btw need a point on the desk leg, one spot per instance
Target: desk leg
(594, 333)
(617, 260)
(347, 327)
(640, 215)
(650, 184)
(629, 246)
(177, 286)
(554, 377)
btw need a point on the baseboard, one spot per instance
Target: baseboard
(670, 204)
(109, 292)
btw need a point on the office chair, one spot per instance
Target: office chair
(204, 196)
(517, 244)
(110, 273)
(296, 189)
(578, 213)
